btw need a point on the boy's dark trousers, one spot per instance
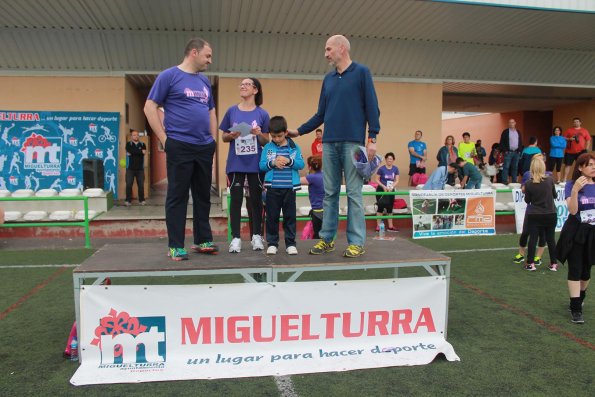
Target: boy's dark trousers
(278, 200)
(189, 167)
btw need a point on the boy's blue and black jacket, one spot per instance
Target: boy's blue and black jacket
(267, 162)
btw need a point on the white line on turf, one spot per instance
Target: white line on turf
(479, 250)
(34, 266)
(285, 386)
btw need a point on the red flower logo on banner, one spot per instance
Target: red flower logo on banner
(35, 140)
(115, 324)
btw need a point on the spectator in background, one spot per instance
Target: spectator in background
(542, 217)
(438, 178)
(579, 142)
(417, 155)
(480, 154)
(446, 155)
(471, 176)
(135, 168)
(1, 215)
(315, 183)
(524, 238)
(557, 146)
(387, 178)
(511, 145)
(467, 148)
(317, 144)
(527, 155)
(577, 238)
(496, 160)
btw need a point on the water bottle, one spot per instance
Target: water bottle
(74, 349)
(381, 229)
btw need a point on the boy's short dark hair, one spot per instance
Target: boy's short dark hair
(277, 124)
(466, 134)
(459, 160)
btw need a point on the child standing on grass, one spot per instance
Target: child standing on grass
(281, 159)
(315, 184)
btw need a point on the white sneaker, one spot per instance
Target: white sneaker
(291, 250)
(235, 245)
(272, 250)
(257, 244)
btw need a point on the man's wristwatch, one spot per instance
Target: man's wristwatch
(371, 140)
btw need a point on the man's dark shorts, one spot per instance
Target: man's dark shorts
(570, 158)
(413, 169)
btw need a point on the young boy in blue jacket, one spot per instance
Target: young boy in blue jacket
(281, 159)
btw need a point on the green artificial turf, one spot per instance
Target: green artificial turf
(510, 328)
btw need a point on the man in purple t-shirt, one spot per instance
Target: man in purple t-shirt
(188, 135)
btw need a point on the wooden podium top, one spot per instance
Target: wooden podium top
(149, 257)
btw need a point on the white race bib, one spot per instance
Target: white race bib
(389, 185)
(588, 216)
(246, 145)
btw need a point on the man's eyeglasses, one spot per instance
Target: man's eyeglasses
(246, 85)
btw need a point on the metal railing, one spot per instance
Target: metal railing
(50, 223)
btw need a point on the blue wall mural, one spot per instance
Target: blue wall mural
(41, 150)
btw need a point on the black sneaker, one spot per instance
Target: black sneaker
(577, 318)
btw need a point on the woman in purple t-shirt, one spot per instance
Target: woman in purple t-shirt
(387, 178)
(245, 126)
(577, 238)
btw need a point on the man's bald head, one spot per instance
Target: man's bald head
(340, 40)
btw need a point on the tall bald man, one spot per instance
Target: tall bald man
(347, 105)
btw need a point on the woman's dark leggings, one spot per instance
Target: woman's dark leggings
(236, 190)
(538, 223)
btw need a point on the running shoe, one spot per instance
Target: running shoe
(530, 267)
(577, 318)
(354, 251)
(177, 254)
(235, 245)
(205, 248)
(291, 250)
(392, 229)
(322, 247)
(272, 250)
(518, 258)
(257, 243)
(537, 261)
(553, 267)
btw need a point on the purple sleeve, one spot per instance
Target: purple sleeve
(160, 88)
(309, 178)
(397, 171)
(568, 188)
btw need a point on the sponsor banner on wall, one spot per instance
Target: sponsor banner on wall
(156, 333)
(45, 150)
(445, 213)
(520, 207)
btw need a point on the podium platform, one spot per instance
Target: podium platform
(150, 260)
